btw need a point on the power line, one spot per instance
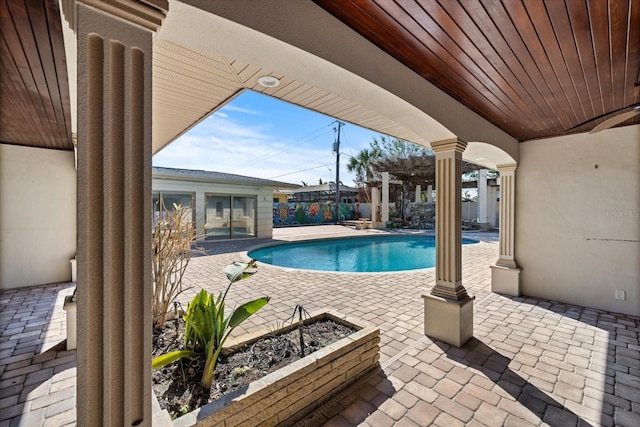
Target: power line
(287, 147)
(303, 170)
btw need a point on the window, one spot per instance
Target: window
(165, 201)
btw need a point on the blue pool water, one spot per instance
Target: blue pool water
(362, 254)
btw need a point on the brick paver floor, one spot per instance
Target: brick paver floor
(531, 361)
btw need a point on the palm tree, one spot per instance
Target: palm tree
(362, 165)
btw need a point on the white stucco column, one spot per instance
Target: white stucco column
(483, 200)
(385, 197)
(114, 42)
(201, 207)
(491, 205)
(505, 275)
(375, 203)
(418, 199)
(430, 194)
(448, 309)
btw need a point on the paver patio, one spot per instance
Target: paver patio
(531, 361)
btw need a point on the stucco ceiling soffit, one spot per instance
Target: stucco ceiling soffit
(189, 85)
(306, 80)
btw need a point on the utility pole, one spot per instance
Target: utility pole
(336, 149)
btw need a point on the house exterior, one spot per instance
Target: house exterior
(224, 205)
(128, 77)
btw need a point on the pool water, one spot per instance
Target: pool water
(361, 254)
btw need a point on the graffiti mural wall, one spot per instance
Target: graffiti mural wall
(300, 213)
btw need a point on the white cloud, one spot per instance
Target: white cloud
(231, 107)
(259, 136)
(221, 144)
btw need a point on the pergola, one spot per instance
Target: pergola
(415, 170)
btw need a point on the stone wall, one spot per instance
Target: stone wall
(422, 216)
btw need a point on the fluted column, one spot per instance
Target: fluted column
(448, 308)
(449, 220)
(507, 215)
(483, 200)
(505, 275)
(114, 210)
(375, 203)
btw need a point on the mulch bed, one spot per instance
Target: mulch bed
(177, 385)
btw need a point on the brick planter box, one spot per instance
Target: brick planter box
(294, 391)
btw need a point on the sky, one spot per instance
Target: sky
(260, 136)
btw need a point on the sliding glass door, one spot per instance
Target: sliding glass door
(229, 216)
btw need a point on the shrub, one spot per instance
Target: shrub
(207, 328)
(172, 237)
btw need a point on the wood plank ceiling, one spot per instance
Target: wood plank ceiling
(34, 87)
(533, 68)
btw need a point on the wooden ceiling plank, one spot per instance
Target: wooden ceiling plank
(450, 35)
(599, 19)
(424, 51)
(60, 62)
(28, 61)
(51, 97)
(14, 115)
(30, 44)
(548, 38)
(519, 83)
(368, 27)
(526, 36)
(632, 74)
(559, 16)
(503, 36)
(23, 89)
(581, 28)
(618, 20)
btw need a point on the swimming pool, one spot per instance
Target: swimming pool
(360, 254)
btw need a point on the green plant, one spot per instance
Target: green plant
(207, 328)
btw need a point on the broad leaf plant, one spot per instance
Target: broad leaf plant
(207, 327)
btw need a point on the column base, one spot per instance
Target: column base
(70, 306)
(448, 320)
(506, 280)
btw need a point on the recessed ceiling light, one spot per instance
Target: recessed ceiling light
(268, 81)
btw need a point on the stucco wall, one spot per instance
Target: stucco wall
(37, 215)
(578, 219)
(264, 199)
